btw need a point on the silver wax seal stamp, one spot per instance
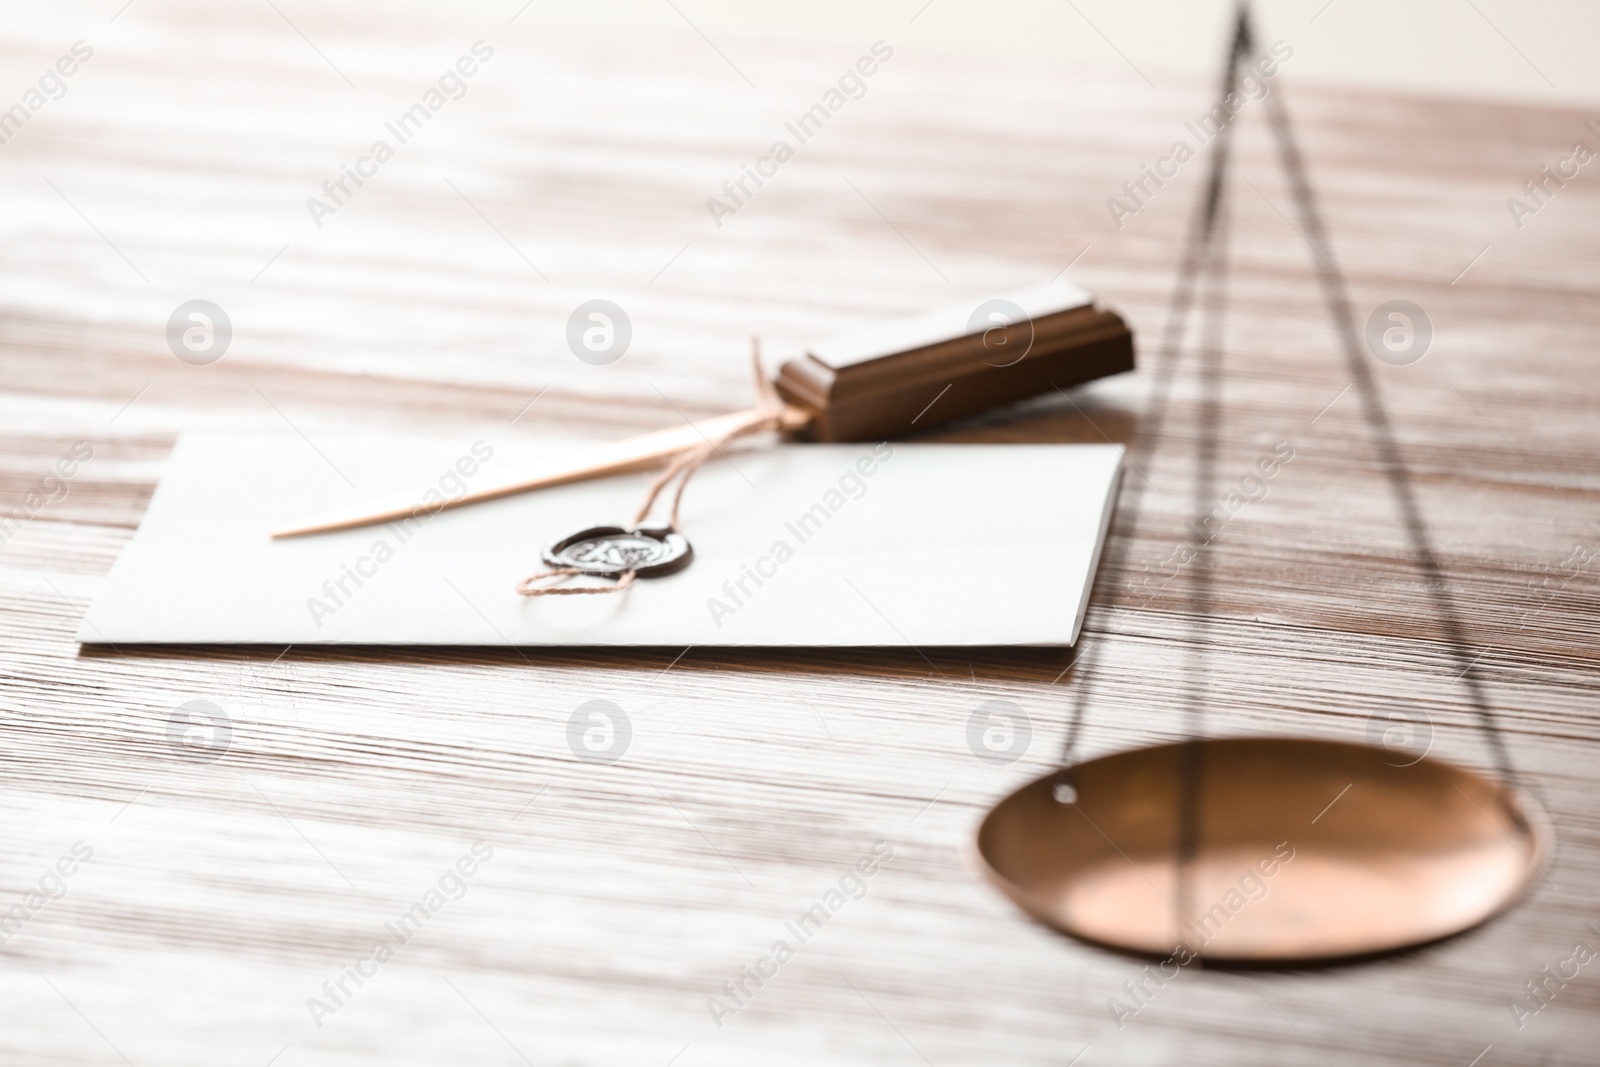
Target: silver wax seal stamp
(649, 550)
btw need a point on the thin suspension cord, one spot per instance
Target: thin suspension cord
(1197, 246)
(1336, 292)
(1214, 307)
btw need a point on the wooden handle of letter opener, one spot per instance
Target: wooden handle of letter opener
(881, 383)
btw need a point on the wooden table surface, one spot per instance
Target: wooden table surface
(219, 897)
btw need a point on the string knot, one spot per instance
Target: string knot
(768, 414)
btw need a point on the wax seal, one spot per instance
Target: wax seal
(650, 550)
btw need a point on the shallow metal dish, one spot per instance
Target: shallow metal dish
(1306, 850)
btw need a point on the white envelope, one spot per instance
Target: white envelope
(794, 545)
